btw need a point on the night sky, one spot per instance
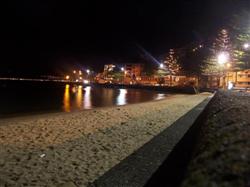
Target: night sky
(48, 37)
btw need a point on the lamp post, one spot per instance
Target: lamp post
(223, 59)
(88, 74)
(123, 75)
(161, 74)
(67, 77)
(246, 45)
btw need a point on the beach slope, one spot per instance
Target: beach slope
(53, 149)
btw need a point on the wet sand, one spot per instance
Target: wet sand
(53, 149)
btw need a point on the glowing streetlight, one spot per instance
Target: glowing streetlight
(88, 71)
(223, 58)
(74, 71)
(80, 72)
(161, 65)
(67, 77)
(122, 69)
(246, 45)
(86, 81)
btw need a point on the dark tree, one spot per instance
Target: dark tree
(193, 60)
(221, 45)
(241, 29)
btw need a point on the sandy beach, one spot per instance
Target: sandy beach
(53, 149)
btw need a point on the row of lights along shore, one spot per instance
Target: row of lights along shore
(78, 76)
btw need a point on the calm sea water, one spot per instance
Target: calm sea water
(21, 98)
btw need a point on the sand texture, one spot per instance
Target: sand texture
(53, 149)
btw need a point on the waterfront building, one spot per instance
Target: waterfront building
(109, 68)
(240, 79)
(133, 73)
(236, 79)
(148, 80)
(111, 74)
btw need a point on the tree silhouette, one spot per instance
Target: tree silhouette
(241, 29)
(222, 44)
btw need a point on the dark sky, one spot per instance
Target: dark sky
(42, 36)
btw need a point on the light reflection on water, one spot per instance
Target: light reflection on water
(121, 99)
(54, 97)
(66, 99)
(160, 96)
(79, 97)
(87, 98)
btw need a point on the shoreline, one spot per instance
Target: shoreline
(59, 109)
(79, 147)
(31, 115)
(167, 89)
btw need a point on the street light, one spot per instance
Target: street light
(161, 65)
(88, 71)
(86, 81)
(122, 69)
(67, 77)
(246, 45)
(229, 65)
(223, 58)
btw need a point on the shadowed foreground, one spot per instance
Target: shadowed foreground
(222, 157)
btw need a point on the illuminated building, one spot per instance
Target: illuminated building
(240, 79)
(109, 68)
(133, 72)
